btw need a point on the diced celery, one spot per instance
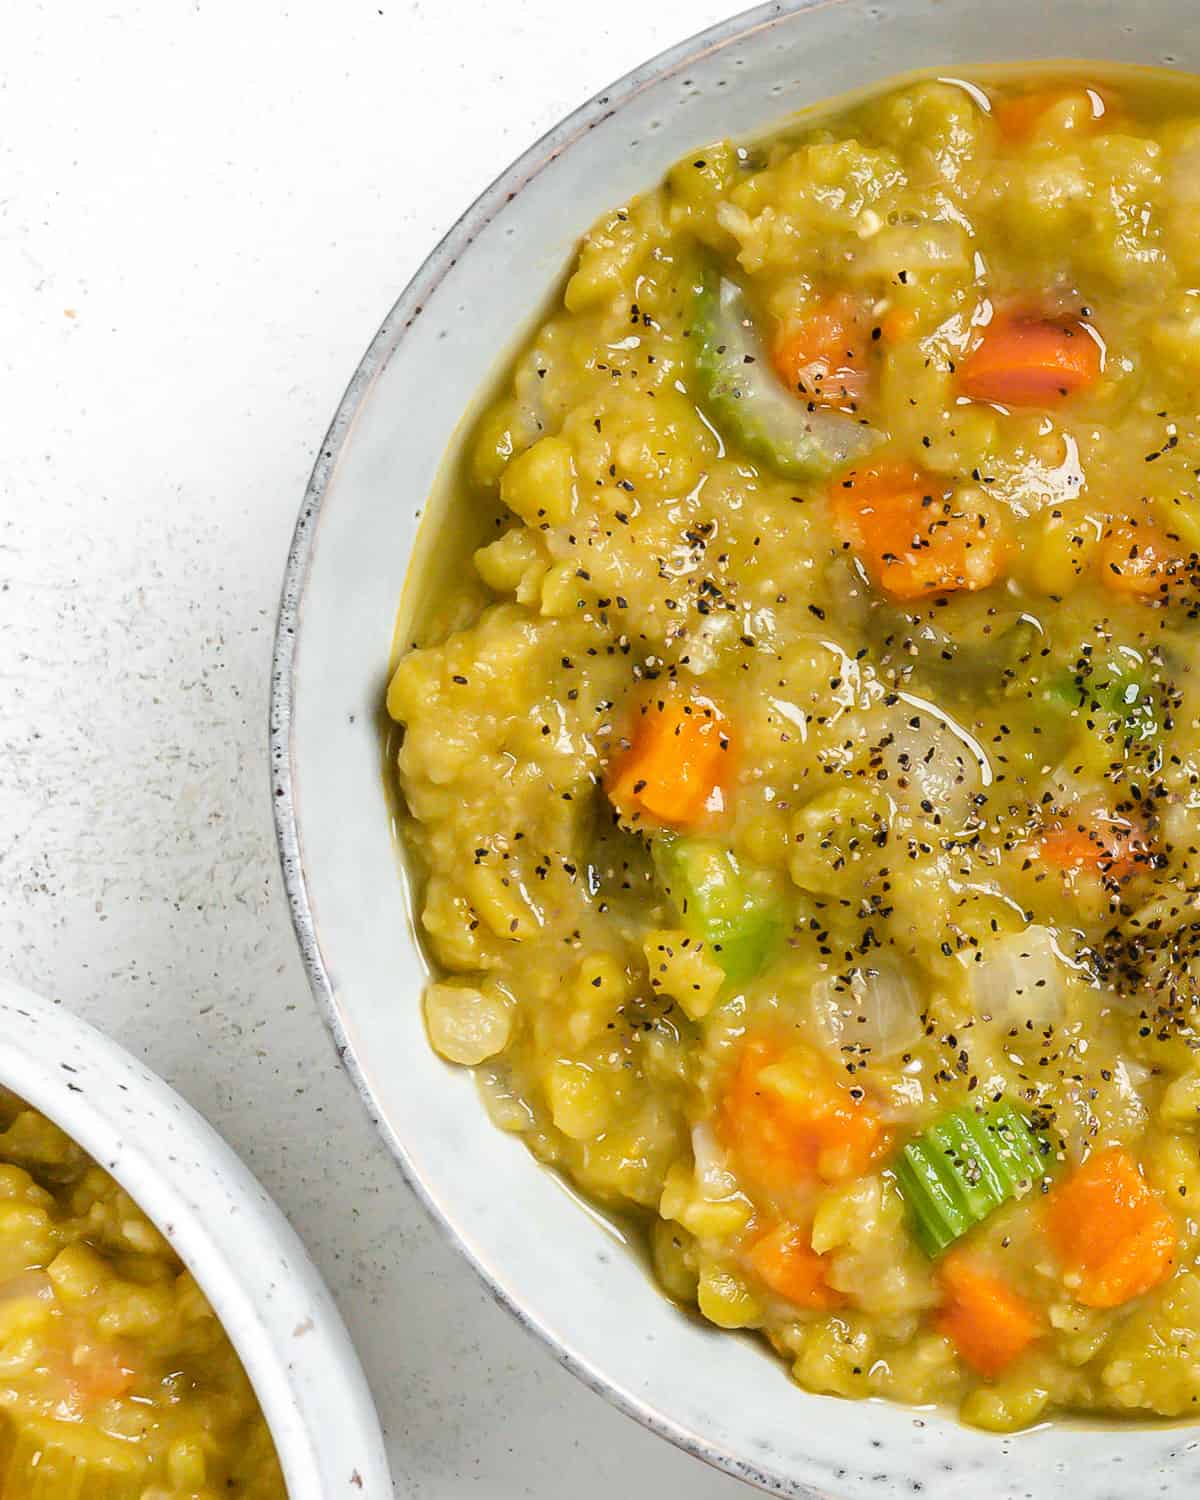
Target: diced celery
(963, 1168)
(1114, 691)
(750, 405)
(738, 916)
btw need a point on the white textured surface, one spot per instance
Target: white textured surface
(206, 207)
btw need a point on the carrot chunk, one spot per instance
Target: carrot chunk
(783, 1260)
(897, 324)
(1139, 559)
(823, 359)
(678, 763)
(987, 1322)
(790, 1124)
(1109, 847)
(1027, 360)
(99, 1372)
(911, 537)
(1019, 115)
(1113, 1233)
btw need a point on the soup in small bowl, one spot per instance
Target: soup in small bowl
(163, 1335)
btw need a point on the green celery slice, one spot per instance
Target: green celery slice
(1019, 1150)
(960, 1170)
(741, 920)
(938, 1218)
(980, 1180)
(1113, 690)
(736, 385)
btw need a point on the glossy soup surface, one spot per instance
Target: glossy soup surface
(800, 744)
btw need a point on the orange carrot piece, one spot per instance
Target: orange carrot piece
(824, 358)
(987, 1322)
(1139, 559)
(784, 1142)
(1113, 1233)
(1019, 115)
(783, 1260)
(897, 324)
(1027, 360)
(1109, 847)
(911, 538)
(101, 1373)
(678, 763)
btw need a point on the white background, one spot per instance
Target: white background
(206, 208)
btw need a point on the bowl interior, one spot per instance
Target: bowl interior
(557, 1268)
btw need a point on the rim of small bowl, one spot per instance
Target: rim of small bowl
(100, 1094)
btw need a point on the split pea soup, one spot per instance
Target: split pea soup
(799, 741)
(117, 1382)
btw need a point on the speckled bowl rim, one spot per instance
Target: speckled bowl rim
(404, 312)
(408, 307)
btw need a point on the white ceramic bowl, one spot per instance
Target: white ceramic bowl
(721, 1398)
(242, 1251)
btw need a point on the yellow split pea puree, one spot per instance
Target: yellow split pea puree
(117, 1382)
(801, 741)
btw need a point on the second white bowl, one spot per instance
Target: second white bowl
(243, 1253)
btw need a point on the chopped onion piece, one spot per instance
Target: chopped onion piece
(713, 1176)
(531, 416)
(902, 1097)
(872, 1011)
(1097, 1105)
(1018, 978)
(929, 758)
(1129, 1078)
(706, 641)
